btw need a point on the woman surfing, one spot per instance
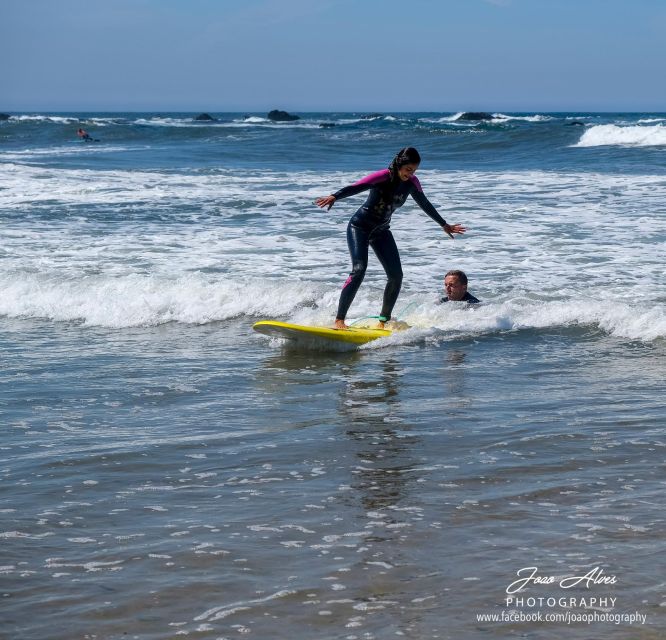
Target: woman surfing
(369, 227)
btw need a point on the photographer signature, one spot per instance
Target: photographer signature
(528, 575)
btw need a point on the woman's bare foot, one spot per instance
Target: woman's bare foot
(340, 324)
(380, 324)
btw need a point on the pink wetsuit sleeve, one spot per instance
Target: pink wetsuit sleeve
(374, 178)
(363, 184)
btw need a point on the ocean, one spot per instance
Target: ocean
(494, 471)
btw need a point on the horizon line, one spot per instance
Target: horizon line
(292, 111)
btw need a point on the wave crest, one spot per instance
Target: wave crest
(136, 300)
(613, 135)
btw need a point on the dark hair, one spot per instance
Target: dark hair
(406, 155)
(458, 274)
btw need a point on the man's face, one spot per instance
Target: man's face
(455, 290)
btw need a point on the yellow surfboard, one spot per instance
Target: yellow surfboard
(304, 333)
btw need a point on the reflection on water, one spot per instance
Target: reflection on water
(454, 374)
(372, 417)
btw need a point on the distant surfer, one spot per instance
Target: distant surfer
(369, 227)
(455, 286)
(84, 135)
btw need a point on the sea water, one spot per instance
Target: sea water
(166, 472)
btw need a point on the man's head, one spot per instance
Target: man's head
(455, 284)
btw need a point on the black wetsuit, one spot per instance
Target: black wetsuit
(369, 227)
(468, 297)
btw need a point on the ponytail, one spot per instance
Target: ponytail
(406, 155)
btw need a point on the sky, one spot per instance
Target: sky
(333, 55)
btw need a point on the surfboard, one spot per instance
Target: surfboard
(303, 333)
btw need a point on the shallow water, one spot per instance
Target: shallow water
(192, 491)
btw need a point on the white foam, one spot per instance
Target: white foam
(170, 122)
(497, 117)
(147, 301)
(22, 534)
(254, 120)
(271, 124)
(22, 185)
(611, 134)
(443, 119)
(354, 120)
(75, 148)
(535, 118)
(43, 118)
(624, 320)
(103, 122)
(221, 612)
(134, 300)
(208, 246)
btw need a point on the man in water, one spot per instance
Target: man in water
(455, 285)
(84, 135)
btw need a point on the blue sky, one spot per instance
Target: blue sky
(333, 55)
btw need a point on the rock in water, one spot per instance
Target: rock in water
(281, 116)
(475, 115)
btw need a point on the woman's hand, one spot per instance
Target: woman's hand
(325, 203)
(450, 229)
